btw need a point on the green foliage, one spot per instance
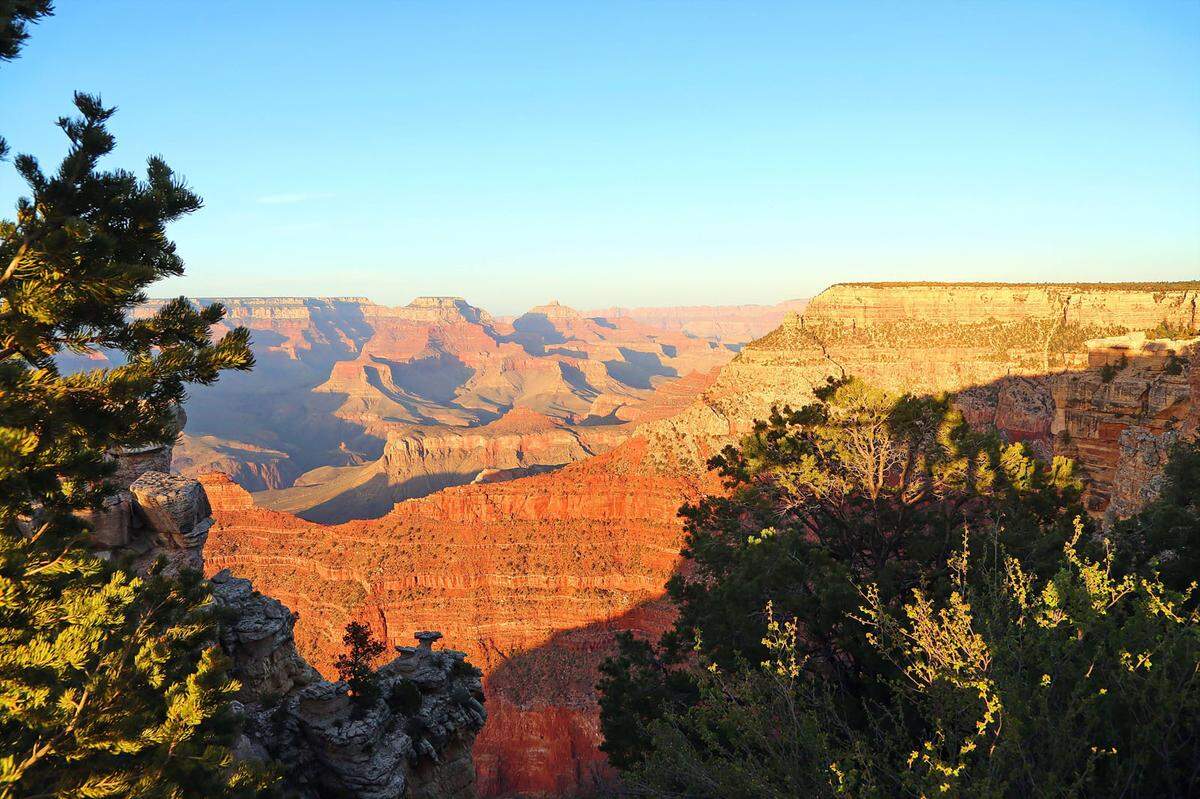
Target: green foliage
(1174, 365)
(355, 665)
(15, 18)
(999, 650)
(859, 487)
(111, 684)
(1164, 539)
(636, 688)
(1165, 329)
(1080, 684)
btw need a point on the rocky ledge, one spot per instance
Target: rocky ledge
(413, 741)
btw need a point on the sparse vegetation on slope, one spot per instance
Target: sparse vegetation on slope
(883, 606)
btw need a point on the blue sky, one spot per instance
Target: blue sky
(635, 153)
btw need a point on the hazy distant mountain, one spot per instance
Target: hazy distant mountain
(353, 405)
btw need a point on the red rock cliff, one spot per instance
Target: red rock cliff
(533, 575)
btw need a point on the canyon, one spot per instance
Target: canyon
(412, 738)
(353, 406)
(532, 576)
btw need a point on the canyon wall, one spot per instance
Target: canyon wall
(1119, 418)
(529, 577)
(534, 575)
(413, 740)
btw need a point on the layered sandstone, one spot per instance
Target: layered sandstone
(1119, 418)
(537, 573)
(532, 576)
(1132, 305)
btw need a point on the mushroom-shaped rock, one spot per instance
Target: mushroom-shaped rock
(427, 637)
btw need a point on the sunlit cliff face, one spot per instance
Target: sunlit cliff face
(532, 576)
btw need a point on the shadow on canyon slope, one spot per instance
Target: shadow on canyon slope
(534, 331)
(543, 734)
(638, 368)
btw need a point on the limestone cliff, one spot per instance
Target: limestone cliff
(414, 740)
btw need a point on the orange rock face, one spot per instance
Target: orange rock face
(1119, 424)
(532, 576)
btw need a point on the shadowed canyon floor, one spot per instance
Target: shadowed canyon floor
(531, 576)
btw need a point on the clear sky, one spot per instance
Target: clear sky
(654, 152)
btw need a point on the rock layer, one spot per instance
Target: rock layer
(535, 574)
(414, 740)
(342, 382)
(1119, 418)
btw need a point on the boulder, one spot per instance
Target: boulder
(173, 507)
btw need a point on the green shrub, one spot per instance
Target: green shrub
(1109, 370)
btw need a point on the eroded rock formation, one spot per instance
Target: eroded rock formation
(531, 576)
(414, 740)
(1119, 418)
(534, 575)
(354, 405)
(424, 459)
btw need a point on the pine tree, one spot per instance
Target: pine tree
(110, 683)
(354, 665)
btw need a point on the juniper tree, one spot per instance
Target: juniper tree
(110, 682)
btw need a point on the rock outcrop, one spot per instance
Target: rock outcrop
(1119, 418)
(413, 740)
(534, 575)
(425, 459)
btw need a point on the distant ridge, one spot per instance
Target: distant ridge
(1159, 285)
